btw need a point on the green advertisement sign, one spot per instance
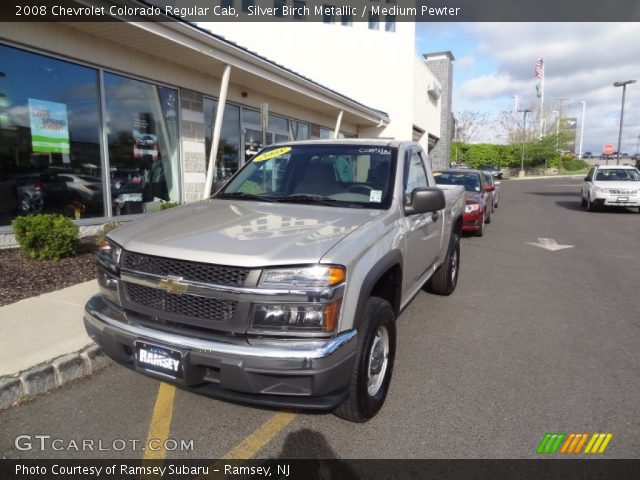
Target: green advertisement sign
(49, 126)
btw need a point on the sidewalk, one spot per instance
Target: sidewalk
(43, 343)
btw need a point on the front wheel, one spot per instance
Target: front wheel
(480, 231)
(373, 365)
(591, 207)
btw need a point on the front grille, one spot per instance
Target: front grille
(194, 271)
(183, 305)
(623, 192)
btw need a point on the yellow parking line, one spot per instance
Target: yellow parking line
(248, 447)
(160, 423)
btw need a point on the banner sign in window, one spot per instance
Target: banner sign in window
(49, 126)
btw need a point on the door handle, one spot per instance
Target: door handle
(435, 215)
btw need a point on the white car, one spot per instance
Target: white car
(611, 185)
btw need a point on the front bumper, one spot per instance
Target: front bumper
(616, 200)
(294, 373)
(472, 221)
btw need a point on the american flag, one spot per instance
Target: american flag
(539, 70)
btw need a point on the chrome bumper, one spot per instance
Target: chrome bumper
(310, 373)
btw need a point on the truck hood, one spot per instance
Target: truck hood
(242, 233)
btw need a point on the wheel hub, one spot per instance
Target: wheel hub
(378, 361)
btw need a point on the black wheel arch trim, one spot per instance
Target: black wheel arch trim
(388, 261)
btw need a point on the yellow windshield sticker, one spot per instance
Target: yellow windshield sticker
(436, 174)
(271, 154)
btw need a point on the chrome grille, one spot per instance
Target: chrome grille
(183, 305)
(622, 192)
(194, 271)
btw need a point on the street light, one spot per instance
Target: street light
(557, 136)
(624, 91)
(524, 126)
(584, 107)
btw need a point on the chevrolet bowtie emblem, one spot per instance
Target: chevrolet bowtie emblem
(174, 285)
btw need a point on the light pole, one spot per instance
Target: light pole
(524, 131)
(637, 144)
(515, 122)
(584, 107)
(557, 137)
(624, 91)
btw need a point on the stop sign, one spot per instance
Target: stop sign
(607, 149)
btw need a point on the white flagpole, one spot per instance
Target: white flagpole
(542, 98)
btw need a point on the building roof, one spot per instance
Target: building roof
(256, 55)
(438, 55)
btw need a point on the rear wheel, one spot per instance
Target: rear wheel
(445, 278)
(373, 365)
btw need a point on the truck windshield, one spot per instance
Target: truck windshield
(357, 176)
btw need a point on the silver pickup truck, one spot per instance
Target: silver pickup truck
(284, 287)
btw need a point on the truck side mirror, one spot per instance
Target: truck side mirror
(424, 200)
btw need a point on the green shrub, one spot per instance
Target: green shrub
(573, 164)
(46, 236)
(166, 205)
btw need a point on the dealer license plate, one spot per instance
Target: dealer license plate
(157, 359)
(623, 199)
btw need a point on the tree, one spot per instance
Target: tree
(468, 125)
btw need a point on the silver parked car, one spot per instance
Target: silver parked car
(283, 289)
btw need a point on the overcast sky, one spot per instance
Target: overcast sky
(495, 61)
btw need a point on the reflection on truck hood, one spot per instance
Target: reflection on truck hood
(242, 233)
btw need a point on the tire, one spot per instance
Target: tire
(480, 231)
(28, 205)
(488, 220)
(445, 278)
(583, 202)
(376, 353)
(591, 207)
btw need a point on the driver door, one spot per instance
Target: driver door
(422, 230)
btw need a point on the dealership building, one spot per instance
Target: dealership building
(129, 115)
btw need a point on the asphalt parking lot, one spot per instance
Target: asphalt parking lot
(532, 341)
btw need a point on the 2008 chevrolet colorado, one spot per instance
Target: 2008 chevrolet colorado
(283, 288)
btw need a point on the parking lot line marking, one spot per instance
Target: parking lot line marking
(160, 422)
(248, 447)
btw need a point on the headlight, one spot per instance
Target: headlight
(471, 207)
(304, 277)
(599, 189)
(296, 317)
(109, 254)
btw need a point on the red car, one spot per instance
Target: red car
(478, 196)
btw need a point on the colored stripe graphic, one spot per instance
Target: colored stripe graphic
(573, 443)
(598, 443)
(551, 442)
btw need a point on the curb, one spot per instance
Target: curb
(52, 374)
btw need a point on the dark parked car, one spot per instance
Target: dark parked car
(37, 191)
(478, 196)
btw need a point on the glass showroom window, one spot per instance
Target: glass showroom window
(299, 130)
(49, 137)
(142, 127)
(228, 158)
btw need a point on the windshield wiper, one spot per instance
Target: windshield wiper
(245, 196)
(306, 198)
